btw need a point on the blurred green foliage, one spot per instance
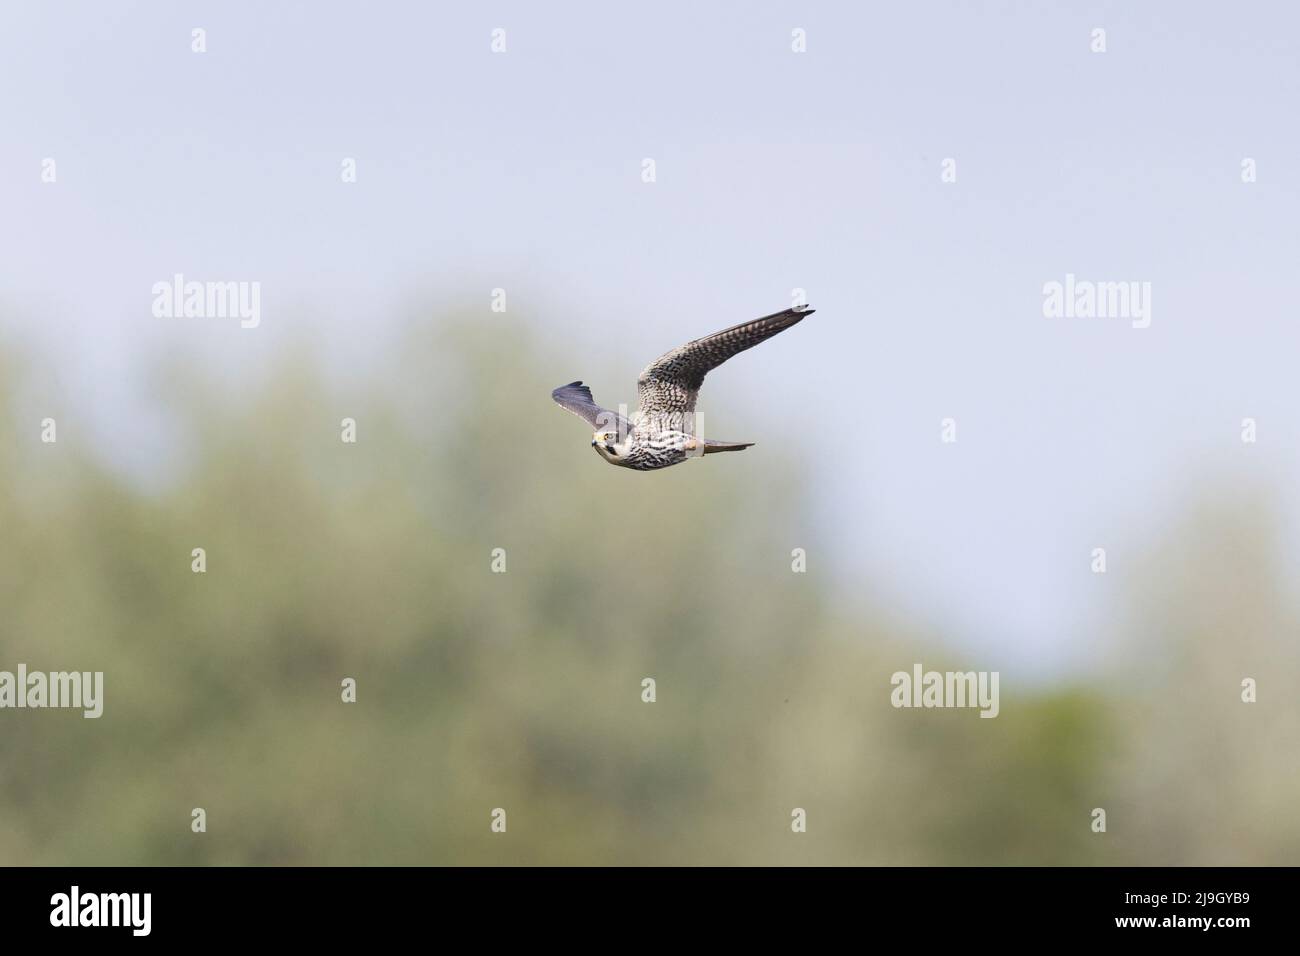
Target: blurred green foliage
(522, 690)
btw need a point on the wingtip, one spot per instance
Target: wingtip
(566, 391)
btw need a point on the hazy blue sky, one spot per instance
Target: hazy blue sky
(775, 170)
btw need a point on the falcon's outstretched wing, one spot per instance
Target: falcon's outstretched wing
(669, 385)
(576, 397)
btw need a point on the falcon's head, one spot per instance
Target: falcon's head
(608, 447)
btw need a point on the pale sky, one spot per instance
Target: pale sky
(776, 170)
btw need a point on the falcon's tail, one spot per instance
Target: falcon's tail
(715, 446)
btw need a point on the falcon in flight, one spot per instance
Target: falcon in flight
(662, 432)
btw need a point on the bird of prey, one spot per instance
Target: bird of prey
(663, 432)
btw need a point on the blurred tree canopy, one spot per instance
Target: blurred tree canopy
(522, 690)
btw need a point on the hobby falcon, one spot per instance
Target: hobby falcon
(662, 432)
